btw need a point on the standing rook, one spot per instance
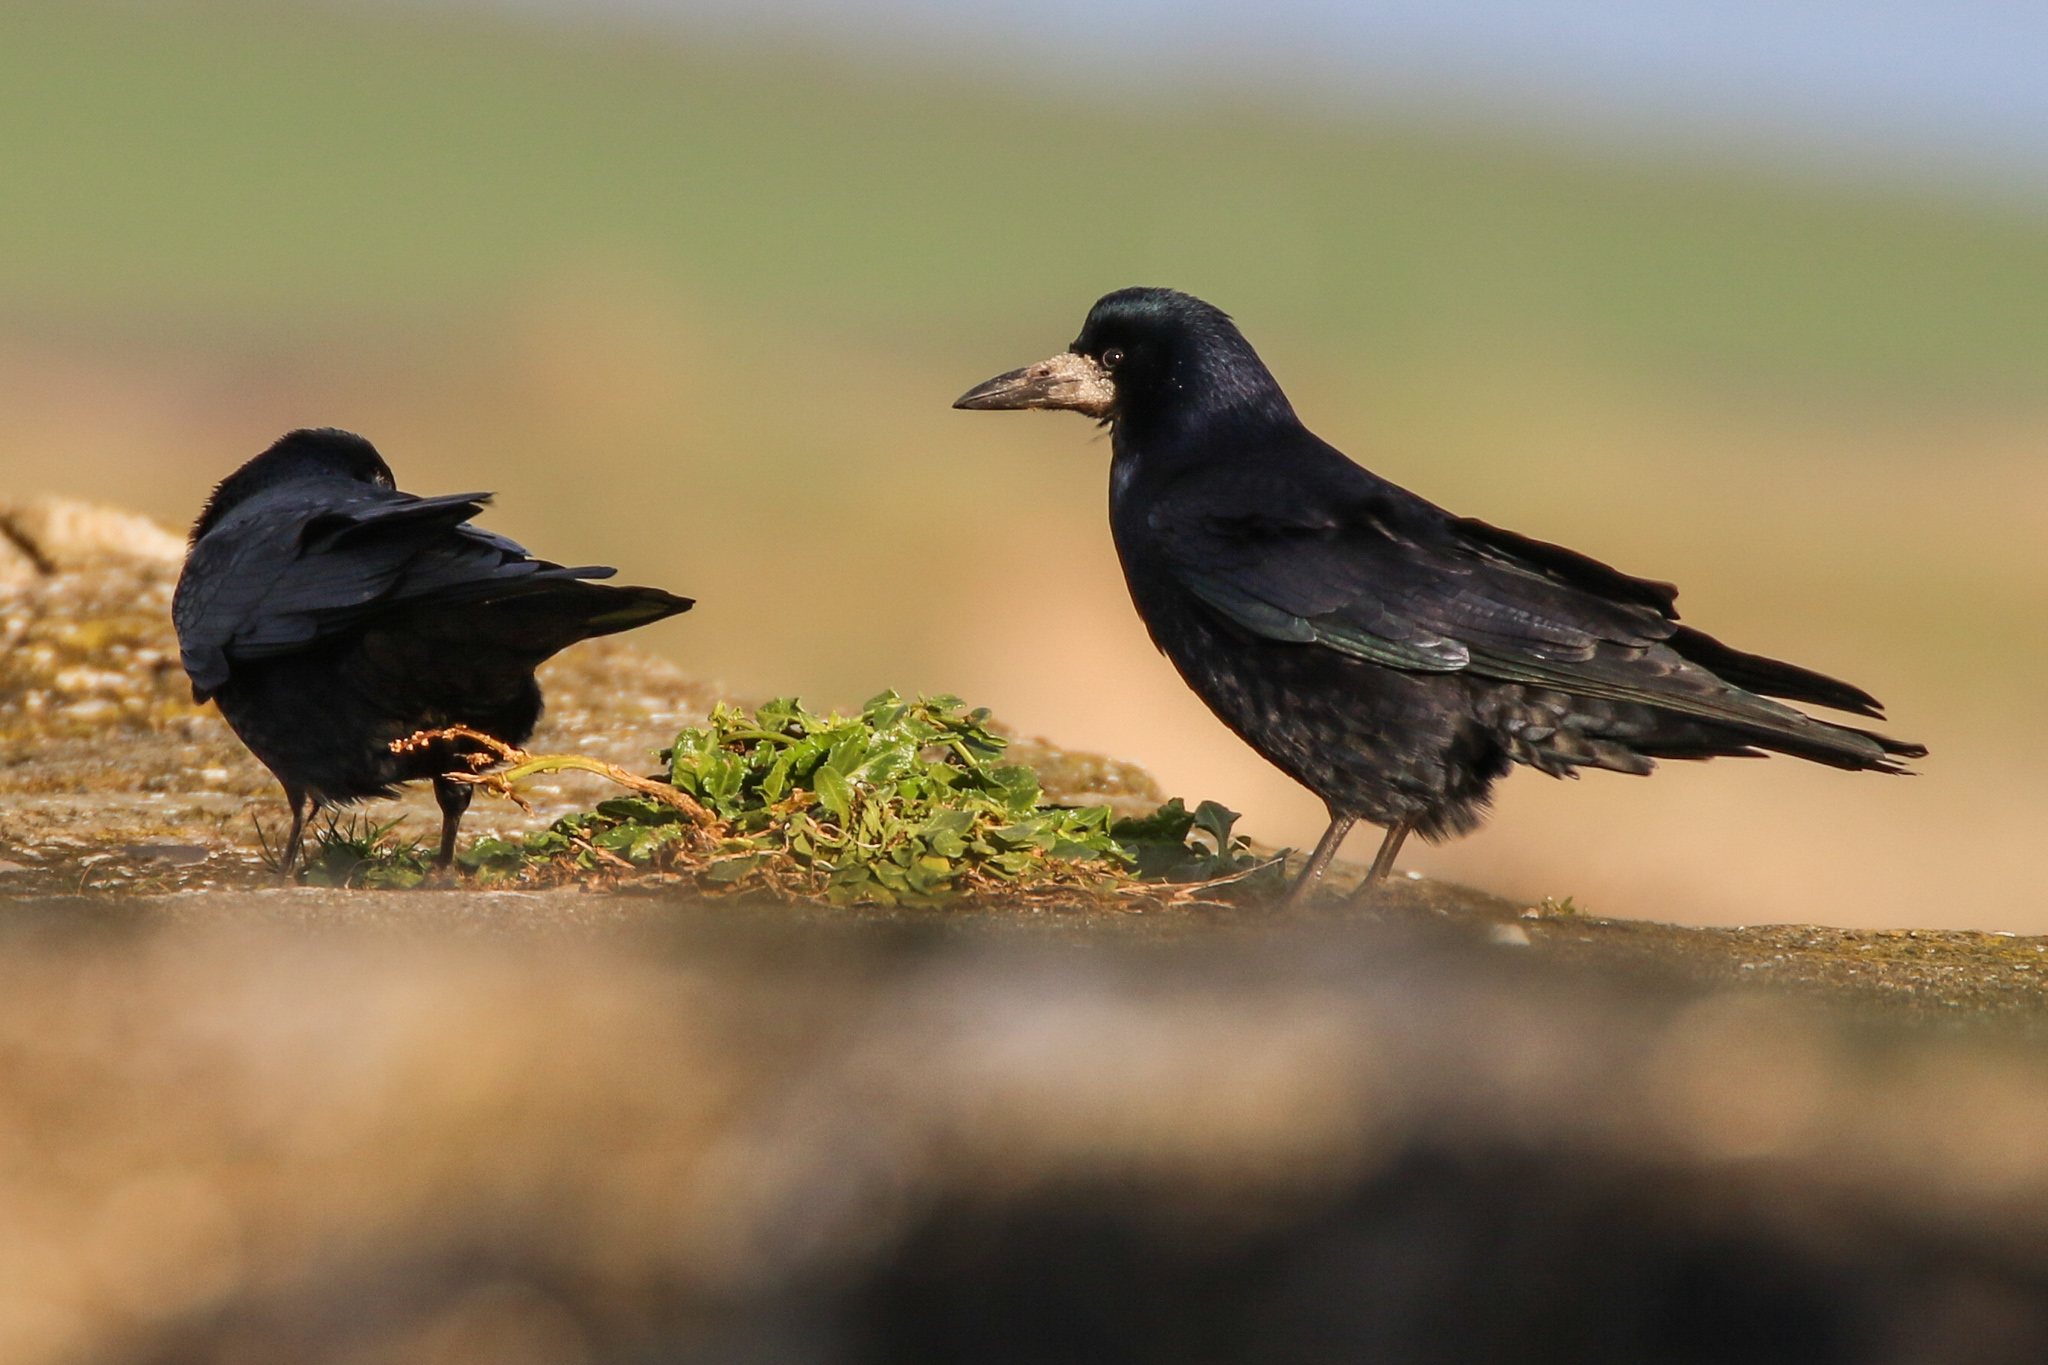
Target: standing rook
(1390, 657)
(329, 614)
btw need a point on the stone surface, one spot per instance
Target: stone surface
(105, 763)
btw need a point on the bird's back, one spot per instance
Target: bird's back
(329, 615)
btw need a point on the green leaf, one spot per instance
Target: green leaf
(835, 793)
(1015, 863)
(1216, 821)
(734, 869)
(639, 810)
(1016, 787)
(775, 785)
(1167, 825)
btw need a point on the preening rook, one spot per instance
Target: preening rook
(328, 614)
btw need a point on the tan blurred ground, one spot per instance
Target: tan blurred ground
(500, 1128)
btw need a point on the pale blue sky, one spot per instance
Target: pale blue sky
(1955, 87)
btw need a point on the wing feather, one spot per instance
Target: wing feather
(285, 570)
(1390, 579)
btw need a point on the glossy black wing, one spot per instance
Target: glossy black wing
(1379, 575)
(1383, 577)
(283, 571)
(1752, 672)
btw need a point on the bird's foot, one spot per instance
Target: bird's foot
(1303, 892)
(1369, 898)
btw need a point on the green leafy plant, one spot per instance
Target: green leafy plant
(1175, 844)
(356, 851)
(906, 802)
(903, 803)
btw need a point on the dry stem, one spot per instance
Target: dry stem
(526, 765)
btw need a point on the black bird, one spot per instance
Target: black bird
(329, 614)
(1389, 656)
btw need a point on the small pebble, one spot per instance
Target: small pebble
(1509, 935)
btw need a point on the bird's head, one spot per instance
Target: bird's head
(1142, 353)
(309, 453)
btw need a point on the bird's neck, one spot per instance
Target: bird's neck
(1170, 438)
(1214, 395)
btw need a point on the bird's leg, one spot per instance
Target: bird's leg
(454, 800)
(1383, 863)
(297, 797)
(1326, 849)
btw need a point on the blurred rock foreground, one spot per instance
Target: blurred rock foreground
(242, 1123)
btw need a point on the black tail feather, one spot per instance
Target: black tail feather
(1902, 748)
(531, 618)
(1773, 678)
(1837, 746)
(563, 610)
(628, 608)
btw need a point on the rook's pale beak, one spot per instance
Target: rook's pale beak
(1067, 380)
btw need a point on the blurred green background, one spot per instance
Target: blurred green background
(697, 307)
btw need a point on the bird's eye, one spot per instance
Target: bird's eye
(1112, 358)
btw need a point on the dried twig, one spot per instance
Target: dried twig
(524, 765)
(603, 855)
(1180, 893)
